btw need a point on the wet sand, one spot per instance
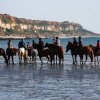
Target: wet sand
(46, 82)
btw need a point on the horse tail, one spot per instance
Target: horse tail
(62, 52)
(92, 56)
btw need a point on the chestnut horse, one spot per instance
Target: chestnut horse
(57, 51)
(11, 52)
(85, 50)
(2, 53)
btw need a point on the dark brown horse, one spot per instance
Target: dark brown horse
(44, 53)
(58, 51)
(2, 53)
(11, 52)
(85, 50)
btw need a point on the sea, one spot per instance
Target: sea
(33, 81)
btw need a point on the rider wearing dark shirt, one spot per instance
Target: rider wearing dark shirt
(80, 44)
(75, 41)
(41, 44)
(21, 44)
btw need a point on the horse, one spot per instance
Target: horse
(84, 50)
(3, 53)
(32, 53)
(10, 52)
(23, 55)
(96, 53)
(44, 53)
(57, 51)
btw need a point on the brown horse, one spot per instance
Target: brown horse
(2, 53)
(11, 52)
(85, 50)
(44, 53)
(57, 51)
(96, 52)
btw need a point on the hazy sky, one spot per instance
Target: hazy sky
(84, 12)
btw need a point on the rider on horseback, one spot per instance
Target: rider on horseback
(57, 41)
(41, 44)
(33, 44)
(75, 41)
(21, 44)
(10, 44)
(28, 45)
(80, 44)
(97, 46)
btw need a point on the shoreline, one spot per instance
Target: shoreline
(23, 37)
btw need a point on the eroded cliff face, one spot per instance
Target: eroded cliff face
(10, 25)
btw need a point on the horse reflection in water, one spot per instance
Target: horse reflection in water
(2, 53)
(11, 52)
(23, 55)
(85, 50)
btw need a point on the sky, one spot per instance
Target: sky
(84, 12)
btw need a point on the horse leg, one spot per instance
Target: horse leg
(20, 59)
(59, 60)
(86, 56)
(97, 60)
(41, 59)
(12, 60)
(73, 59)
(56, 59)
(5, 57)
(48, 59)
(81, 59)
(9, 60)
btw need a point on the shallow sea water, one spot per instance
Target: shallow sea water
(46, 82)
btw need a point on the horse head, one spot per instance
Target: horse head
(46, 45)
(68, 47)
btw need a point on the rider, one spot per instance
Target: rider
(80, 44)
(57, 41)
(97, 46)
(75, 41)
(9, 43)
(28, 45)
(41, 44)
(33, 44)
(21, 44)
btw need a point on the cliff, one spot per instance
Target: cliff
(13, 26)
